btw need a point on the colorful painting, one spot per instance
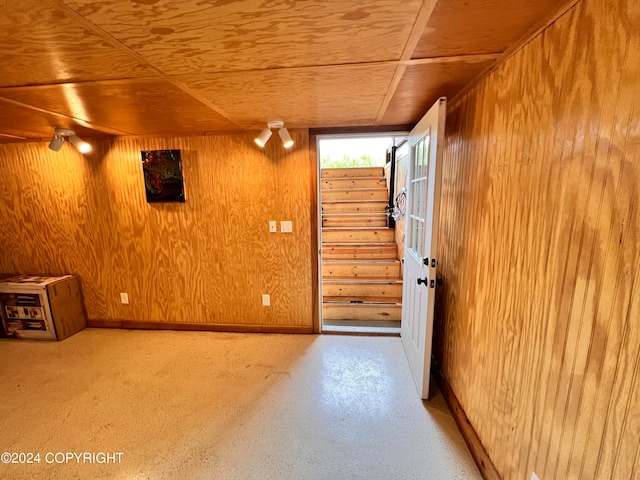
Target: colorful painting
(163, 175)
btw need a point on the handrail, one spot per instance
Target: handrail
(392, 185)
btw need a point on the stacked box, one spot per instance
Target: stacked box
(46, 308)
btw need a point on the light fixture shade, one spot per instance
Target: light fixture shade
(80, 144)
(287, 141)
(56, 142)
(264, 137)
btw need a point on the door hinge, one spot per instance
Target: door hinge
(432, 284)
(433, 263)
(425, 261)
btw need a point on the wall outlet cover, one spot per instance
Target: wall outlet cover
(286, 226)
(266, 300)
(124, 298)
(273, 226)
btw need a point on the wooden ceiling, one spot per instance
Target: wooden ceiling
(181, 67)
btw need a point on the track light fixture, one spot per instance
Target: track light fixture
(59, 136)
(265, 135)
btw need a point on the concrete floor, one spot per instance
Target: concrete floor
(222, 406)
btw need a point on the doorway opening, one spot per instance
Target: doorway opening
(362, 181)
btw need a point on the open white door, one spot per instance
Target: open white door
(421, 242)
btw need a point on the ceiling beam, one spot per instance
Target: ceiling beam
(473, 58)
(79, 121)
(412, 41)
(16, 137)
(129, 51)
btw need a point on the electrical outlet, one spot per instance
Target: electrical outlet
(534, 476)
(273, 226)
(124, 298)
(286, 226)
(266, 300)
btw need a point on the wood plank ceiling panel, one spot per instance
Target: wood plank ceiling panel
(190, 36)
(42, 45)
(28, 123)
(141, 107)
(303, 97)
(461, 27)
(421, 85)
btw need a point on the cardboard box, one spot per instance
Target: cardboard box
(47, 308)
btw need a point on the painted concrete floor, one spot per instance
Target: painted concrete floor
(221, 406)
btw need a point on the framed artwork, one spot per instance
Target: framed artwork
(163, 175)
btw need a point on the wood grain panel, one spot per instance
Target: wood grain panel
(303, 97)
(48, 47)
(21, 122)
(177, 36)
(536, 327)
(351, 172)
(422, 85)
(361, 311)
(461, 27)
(204, 261)
(141, 107)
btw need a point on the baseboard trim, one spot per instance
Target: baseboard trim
(200, 327)
(104, 323)
(479, 454)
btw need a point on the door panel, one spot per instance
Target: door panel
(423, 200)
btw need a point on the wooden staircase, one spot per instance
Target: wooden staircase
(360, 267)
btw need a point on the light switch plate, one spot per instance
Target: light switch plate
(266, 300)
(286, 226)
(124, 298)
(273, 226)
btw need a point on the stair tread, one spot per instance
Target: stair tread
(361, 280)
(363, 177)
(352, 170)
(359, 245)
(364, 304)
(364, 278)
(360, 300)
(356, 214)
(355, 201)
(363, 261)
(351, 189)
(358, 228)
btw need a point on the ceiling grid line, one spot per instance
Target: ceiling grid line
(412, 41)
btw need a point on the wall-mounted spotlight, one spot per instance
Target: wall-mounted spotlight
(265, 135)
(56, 142)
(58, 139)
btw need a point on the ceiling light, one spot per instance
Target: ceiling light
(265, 135)
(59, 136)
(287, 141)
(80, 144)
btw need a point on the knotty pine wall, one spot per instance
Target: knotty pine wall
(538, 320)
(205, 261)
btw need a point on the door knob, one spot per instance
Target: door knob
(422, 280)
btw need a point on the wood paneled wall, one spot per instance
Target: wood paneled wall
(205, 261)
(538, 320)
